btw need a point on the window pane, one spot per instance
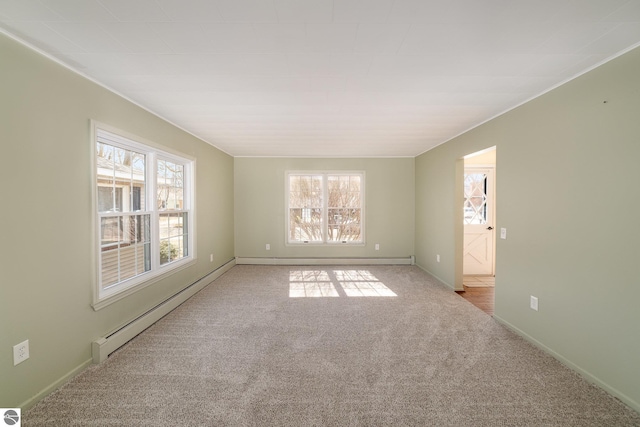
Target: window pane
(344, 191)
(345, 203)
(174, 235)
(125, 249)
(120, 179)
(177, 227)
(176, 242)
(163, 226)
(160, 182)
(354, 183)
(475, 207)
(337, 216)
(305, 225)
(306, 208)
(109, 198)
(355, 193)
(353, 233)
(170, 185)
(138, 165)
(128, 262)
(167, 252)
(173, 224)
(105, 178)
(185, 235)
(344, 225)
(109, 231)
(305, 191)
(138, 183)
(109, 263)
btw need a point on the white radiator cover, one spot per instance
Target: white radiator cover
(103, 347)
(326, 261)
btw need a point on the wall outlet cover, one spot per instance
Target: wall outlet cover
(533, 303)
(20, 352)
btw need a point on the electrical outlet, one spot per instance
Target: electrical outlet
(20, 352)
(533, 303)
(268, 247)
(438, 258)
(377, 246)
(210, 257)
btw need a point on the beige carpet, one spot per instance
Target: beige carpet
(340, 351)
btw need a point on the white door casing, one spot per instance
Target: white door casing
(479, 226)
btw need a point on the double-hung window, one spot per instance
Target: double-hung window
(325, 207)
(144, 212)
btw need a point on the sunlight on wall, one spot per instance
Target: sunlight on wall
(335, 283)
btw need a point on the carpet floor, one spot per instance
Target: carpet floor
(328, 346)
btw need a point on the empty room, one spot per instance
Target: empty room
(320, 212)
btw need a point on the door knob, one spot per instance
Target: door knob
(489, 228)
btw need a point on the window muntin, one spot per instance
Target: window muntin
(139, 238)
(325, 207)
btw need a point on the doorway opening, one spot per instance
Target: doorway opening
(477, 257)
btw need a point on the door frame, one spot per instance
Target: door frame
(458, 227)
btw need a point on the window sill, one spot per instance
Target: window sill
(100, 303)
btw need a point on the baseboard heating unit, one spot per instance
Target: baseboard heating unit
(410, 260)
(102, 348)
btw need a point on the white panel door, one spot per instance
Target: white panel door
(478, 221)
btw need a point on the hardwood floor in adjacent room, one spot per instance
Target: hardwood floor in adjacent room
(478, 295)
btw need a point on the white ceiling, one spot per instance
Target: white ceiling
(341, 78)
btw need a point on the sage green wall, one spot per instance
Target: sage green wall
(567, 192)
(260, 207)
(45, 255)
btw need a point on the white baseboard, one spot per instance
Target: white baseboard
(447, 284)
(103, 347)
(54, 386)
(586, 375)
(324, 261)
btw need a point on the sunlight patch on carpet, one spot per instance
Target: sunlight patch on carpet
(334, 283)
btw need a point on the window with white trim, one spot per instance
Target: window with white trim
(325, 207)
(144, 207)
